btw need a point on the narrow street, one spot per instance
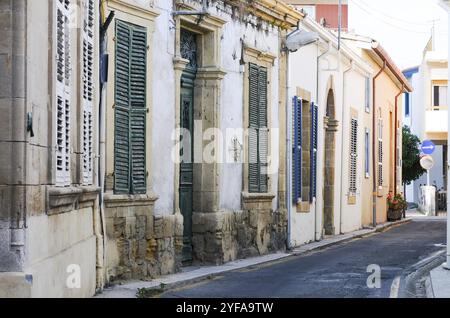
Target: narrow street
(339, 271)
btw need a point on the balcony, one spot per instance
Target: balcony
(436, 123)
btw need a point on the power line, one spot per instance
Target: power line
(427, 23)
(389, 23)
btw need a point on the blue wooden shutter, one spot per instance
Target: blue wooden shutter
(297, 149)
(313, 153)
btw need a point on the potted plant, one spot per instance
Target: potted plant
(396, 206)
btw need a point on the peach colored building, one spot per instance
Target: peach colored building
(385, 121)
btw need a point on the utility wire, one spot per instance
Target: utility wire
(363, 3)
(389, 23)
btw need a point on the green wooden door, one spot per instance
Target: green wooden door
(188, 51)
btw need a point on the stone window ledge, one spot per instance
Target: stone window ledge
(303, 207)
(351, 200)
(125, 200)
(62, 200)
(257, 197)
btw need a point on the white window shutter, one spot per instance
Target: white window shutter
(62, 87)
(88, 91)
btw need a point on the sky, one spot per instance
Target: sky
(403, 27)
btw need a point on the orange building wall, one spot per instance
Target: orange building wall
(330, 13)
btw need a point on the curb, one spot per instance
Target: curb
(150, 289)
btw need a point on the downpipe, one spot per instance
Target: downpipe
(288, 158)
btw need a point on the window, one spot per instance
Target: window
(314, 131)
(380, 152)
(353, 155)
(87, 81)
(439, 96)
(367, 153)
(258, 132)
(367, 94)
(130, 175)
(297, 149)
(407, 104)
(305, 121)
(62, 88)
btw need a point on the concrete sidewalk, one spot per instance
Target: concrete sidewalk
(439, 283)
(192, 274)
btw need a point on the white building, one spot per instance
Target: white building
(330, 89)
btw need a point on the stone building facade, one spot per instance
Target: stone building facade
(194, 203)
(49, 219)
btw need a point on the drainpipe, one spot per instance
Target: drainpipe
(317, 235)
(102, 127)
(342, 141)
(395, 138)
(374, 165)
(288, 174)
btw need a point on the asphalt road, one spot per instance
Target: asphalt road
(338, 271)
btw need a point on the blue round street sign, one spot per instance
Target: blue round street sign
(427, 147)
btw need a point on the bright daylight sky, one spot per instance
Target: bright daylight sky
(403, 27)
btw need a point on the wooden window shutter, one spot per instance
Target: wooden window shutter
(62, 87)
(297, 149)
(122, 109)
(258, 130)
(380, 152)
(353, 155)
(313, 149)
(138, 94)
(263, 130)
(253, 120)
(130, 109)
(88, 91)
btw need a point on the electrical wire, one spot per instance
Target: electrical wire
(389, 23)
(427, 23)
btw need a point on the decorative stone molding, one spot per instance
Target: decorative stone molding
(179, 63)
(147, 13)
(260, 56)
(331, 125)
(123, 200)
(257, 197)
(210, 73)
(62, 200)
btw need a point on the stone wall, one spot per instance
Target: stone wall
(141, 245)
(228, 235)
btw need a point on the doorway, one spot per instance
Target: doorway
(188, 49)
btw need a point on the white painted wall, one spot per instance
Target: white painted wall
(231, 112)
(306, 227)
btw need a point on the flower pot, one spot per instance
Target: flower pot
(394, 214)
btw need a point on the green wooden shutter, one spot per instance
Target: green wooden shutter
(263, 135)
(130, 109)
(122, 109)
(253, 120)
(138, 94)
(258, 131)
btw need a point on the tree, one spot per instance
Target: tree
(411, 168)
